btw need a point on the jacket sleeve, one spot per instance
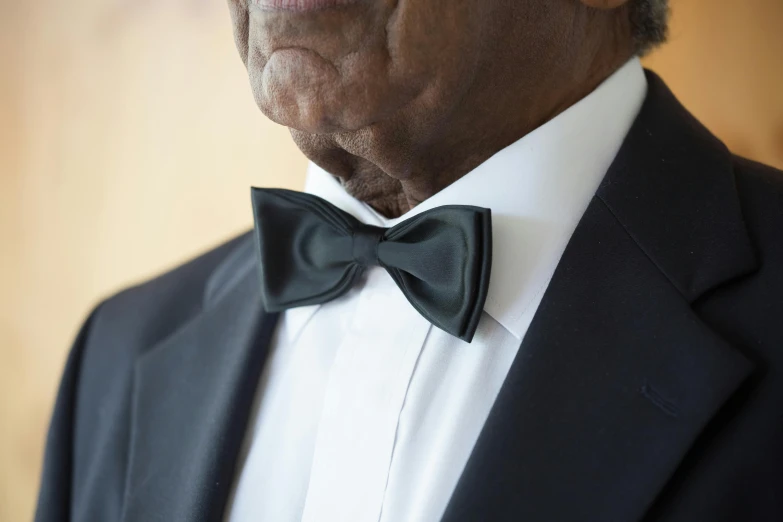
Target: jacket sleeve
(54, 497)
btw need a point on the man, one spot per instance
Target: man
(523, 284)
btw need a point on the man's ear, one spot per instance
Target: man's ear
(604, 4)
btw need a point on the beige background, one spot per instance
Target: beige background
(129, 138)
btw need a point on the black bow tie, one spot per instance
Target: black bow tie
(312, 252)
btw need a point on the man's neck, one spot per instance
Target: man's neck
(394, 166)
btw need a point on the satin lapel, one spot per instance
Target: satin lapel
(192, 399)
(617, 377)
(614, 381)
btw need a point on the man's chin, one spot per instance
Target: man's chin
(293, 89)
(297, 88)
(309, 116)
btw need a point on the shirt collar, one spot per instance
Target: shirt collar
(537, 188)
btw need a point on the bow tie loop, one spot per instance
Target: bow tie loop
(312, 252)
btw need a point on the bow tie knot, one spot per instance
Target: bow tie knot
(312, 252)
(366, 240)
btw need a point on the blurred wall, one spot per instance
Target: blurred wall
(129, 138)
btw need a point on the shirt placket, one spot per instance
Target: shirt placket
(364, 397)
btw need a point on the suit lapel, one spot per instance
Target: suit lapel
(617, 376)
(614, 381)
(192, 399)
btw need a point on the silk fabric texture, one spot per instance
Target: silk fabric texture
(312, 252)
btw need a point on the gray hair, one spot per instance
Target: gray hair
(649, 21)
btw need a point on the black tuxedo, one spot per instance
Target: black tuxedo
(648, 387)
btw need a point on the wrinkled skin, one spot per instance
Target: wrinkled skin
(400, 98)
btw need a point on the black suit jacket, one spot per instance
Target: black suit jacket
(648, 387)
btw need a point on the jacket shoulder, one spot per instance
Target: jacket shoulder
(760, 190)
(101, 367)
(748, 309)
(758, 174)
(148, 312)
(135, 319)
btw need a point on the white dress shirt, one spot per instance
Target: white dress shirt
(365, 412)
